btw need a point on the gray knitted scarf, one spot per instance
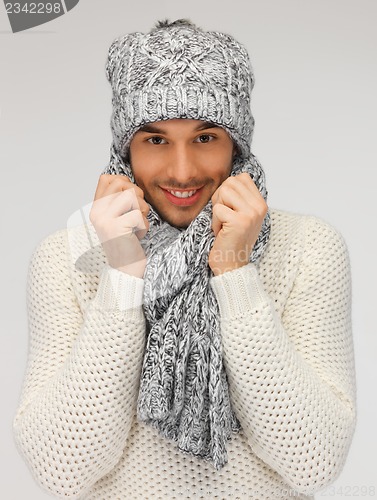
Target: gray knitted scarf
(183, 388)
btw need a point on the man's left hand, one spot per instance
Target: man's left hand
(238, 213)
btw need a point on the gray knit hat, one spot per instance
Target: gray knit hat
(178, 70)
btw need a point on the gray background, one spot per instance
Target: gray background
(315, 108)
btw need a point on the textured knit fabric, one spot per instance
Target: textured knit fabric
(183, 388)
(181, 71)
(287, 346)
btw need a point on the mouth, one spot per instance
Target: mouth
(182, 197)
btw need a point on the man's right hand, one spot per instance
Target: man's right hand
(119, 216)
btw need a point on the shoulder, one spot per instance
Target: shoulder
(289, 225)
(76, 247)
(47, 268)
(301, 248)
(51, 245)
(69, 258)
(306, 241)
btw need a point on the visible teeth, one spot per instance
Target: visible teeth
(182, 194)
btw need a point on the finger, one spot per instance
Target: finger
(234, 185)
(247, 181)
(104, 182)
(109, 184)
(135, 222)
(143, 206)
(215, 196)
(240, 195)
(117, 204)
(221, 215)
(124, 202)
(109, 204)
(244, 178)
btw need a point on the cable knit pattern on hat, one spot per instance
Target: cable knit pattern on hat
(286, 333)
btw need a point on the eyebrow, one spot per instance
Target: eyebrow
(157, 130)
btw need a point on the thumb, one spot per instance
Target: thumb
(221, 214)
(216, 222)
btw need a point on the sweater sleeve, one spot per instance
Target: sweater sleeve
(291, 375)
(80, 390)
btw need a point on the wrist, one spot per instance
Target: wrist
(219, 269)
(119, 292)
(135, 269)
(239, 291)
(126, 254)
(222, 260)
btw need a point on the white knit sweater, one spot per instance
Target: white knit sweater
(287, 347)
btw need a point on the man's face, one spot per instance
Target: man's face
(179, 164)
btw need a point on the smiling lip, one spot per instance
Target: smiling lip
(182, 202)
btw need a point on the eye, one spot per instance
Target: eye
(156, 140)
(204, 138)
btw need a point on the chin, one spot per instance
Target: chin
(179, 222)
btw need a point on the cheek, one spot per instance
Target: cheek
(222, 167)
(141, 178)
(145, 164)
(138, 162)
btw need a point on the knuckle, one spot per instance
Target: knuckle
(138, 191)
(258, 212)
(225, 188)
(230, 181)
(144, 206)
(216, 209)
(263, 208)
(105, 177)
(118, 179)
(241, 176)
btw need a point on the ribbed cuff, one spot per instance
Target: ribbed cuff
(238, 291)
(118, 291)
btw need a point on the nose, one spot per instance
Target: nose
(182, 165)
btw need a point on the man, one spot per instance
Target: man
(205, 351)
